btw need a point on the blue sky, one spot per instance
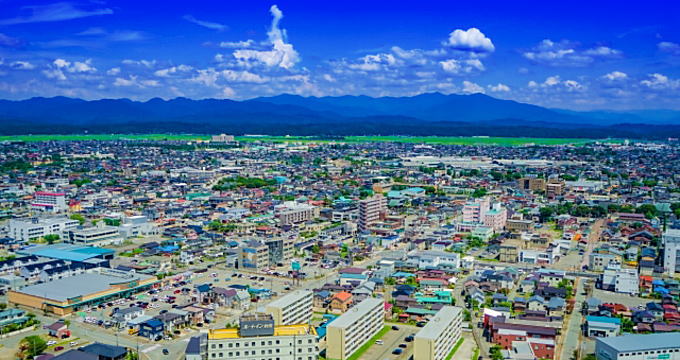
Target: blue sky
(584, 55)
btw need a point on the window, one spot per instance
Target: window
(231, 354)
(220, 345)
(262, 343)
(277, 342)
(221, 355)
(230, 345)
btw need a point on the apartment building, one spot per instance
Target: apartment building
(254, 255)
(36, 228)
(49, 201)
(370, 210)
(671, 243)
(531, 183)
(258, 338)
(280, 250)
(639, 347)
(496, 218)
(354, 328)
(292, 308)
(436, 340)
(292, 212)
(474, 212)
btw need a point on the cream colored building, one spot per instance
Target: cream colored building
(354, 328)
(436, 340)
(292, 308)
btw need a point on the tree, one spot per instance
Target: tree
(479, 192)
(546, 212)
(31, 346)
(495, 353)
(80, 218)
(51, 238)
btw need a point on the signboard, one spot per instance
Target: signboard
(658, 357)
(257, 328)
(295, 266)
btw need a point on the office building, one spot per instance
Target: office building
(258, 338)
(436, 340)
(36, 228)
(664, 346)
(96, 235)
(371, 210)
(671, 258)
(49, 201)
(531, 183)
(354, 328)
(292, 308)
(292, 212)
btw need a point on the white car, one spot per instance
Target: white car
(73, 343)
(379, 342)
(51, 342)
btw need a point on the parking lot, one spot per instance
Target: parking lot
(385, 347)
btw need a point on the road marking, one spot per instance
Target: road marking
(151, 348)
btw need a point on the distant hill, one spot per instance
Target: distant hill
(425, 114)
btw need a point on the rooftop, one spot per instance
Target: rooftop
(440, 321)
(642, 342)
(283, 330)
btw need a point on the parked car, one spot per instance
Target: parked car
(58, 348)
(397, 351)
(379, 342)
(395, 327)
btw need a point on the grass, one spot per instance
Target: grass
(455, 348)
(475, 354)
(360, 351)
(434, 140)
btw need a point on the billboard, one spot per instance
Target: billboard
(257, 328)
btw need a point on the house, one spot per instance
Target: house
(536, 303)
(555, 306)
(105, 351)
(341, 301)
(321, 299)
(152, 329)
(12, 316)
(58, 330)
(601, 326)
(124, 315)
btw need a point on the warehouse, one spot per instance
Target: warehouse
(662, 346)
(81, 291)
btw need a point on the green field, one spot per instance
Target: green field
(435, 140)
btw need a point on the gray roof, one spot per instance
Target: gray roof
(355, 313)
(82, 284)
(440, 321)
(627, 343)
(290, 298)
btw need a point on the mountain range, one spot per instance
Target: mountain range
(425, 114)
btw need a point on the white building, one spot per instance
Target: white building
(436, 340)
(664, 346)
(626, 281)
(354, 328)
(139, 225)
(370, 210)
(36, 228)
(49, 201)
(434, 259)
(95, 236)
(292, 212)
(671, 259)
(292, 308)
(496, 218)
(474, 212)
(258, 338)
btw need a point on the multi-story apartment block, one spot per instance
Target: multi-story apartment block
(671, 259)
(49, 201)
(292, 212)
(293, 308)
(474, 212)
(35, 228)
(370, 211)
(496, 218)
(254, 255)
(436, 340)
(354, 328)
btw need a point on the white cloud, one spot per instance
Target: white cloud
(329, 78)
(206, 24)
(471, 40)
(144, 63)
(238, 44)
(242, 76)
(21, 65)
(59, 11)
(374, 62)
(134, 80)
(58, 68)
(615, 75)
(282, 53)
(658, 81)
(472, 88)
(554, 82)
(227, 92)
(499, 88)
(669, 47)
(8, 41)
(453, 66)
(113, 71)
(173, 70)
(566, 53)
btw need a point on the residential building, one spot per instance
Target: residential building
(602, 326)
(531, 183)
(292, 308)
(354, 328)
(436, 339)
(254, 255)
(49, 201)
(671, 259)
(291, 212)
(96, 235)
(475, 212)
(496, 218)
(639, 347)
(370, 211)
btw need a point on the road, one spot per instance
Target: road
(571, 335)
(391, 341)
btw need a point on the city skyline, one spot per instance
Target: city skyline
(608, 57)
